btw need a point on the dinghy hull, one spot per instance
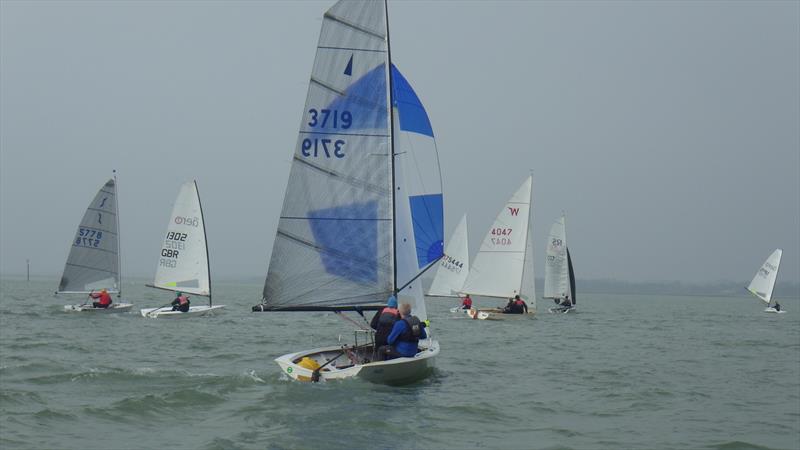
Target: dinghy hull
(494, 314)
(167, 313)
(114, 308)
(398, 371)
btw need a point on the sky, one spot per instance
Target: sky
(668, 132)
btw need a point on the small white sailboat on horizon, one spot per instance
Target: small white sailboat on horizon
(764, 282)
(559, 277)
(503, 267)
(94, 263)
(183, 263)
(362, 216)
(453, 268)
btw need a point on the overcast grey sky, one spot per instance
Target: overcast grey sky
(669, 132)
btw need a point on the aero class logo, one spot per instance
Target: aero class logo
(513, 211)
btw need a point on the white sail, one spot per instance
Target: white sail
(497, 270)
(528, 288)
(556, 270)
(93, 261)
(183, 258)
(454, 266)
(764, 281)
(350, 201)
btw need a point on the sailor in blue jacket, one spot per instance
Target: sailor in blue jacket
(405, 334)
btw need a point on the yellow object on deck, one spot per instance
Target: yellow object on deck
(308, 363)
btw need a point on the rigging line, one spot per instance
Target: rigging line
(433, 263)
(365, 326)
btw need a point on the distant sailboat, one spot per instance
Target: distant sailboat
(764, 281)
(559, 278)
(93, 263)
(362, 216)
(503, 267)
(454, 266)
(183, 261)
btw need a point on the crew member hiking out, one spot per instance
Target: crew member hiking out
(383, 321)
(105, 299)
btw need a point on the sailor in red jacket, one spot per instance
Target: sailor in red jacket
(105, 299)
(466, 303)
(181, 303)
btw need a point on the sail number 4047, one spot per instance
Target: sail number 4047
(503, 236)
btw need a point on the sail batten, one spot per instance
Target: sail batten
(347, 188)
(183, 264)
(498, 269)
(556, 273)
(763, 282)
(93, 260)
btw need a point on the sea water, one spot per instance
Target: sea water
(626, 371)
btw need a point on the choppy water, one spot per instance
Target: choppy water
(626, 372)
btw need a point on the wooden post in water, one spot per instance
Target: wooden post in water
(28, 267)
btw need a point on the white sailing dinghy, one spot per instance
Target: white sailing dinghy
(764, 281)
(453, 268)
(559, 278)
(362, 216)
(503, 267)
(93, 263)
(183, 261)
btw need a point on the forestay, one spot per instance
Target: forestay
(454, 266)
(764, 281)
(503, 266)
(335, 244)
(556, 270)
(93, 261)
(183, 258)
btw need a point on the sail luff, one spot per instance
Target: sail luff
(93, 260)
(390, 107)
(205, 239)
(763, 282)
(119, 238)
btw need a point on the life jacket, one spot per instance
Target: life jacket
(467, 302)
(519, 303)
(105, 299)
(413, 330)
(388, 317)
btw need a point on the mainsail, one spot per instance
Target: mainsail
(764, 281)
(93, 261)
(503, 266)
(183, 258)
(362, 213)
(556, 269)
(454, 266)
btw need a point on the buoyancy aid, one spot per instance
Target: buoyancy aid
(467, 302)
(413, 330)
(388, 317)
(105, 298)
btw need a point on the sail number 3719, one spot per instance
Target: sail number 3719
(327, 119)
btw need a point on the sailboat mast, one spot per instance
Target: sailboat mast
(119, 234)
(391, 146)
(205, 239)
